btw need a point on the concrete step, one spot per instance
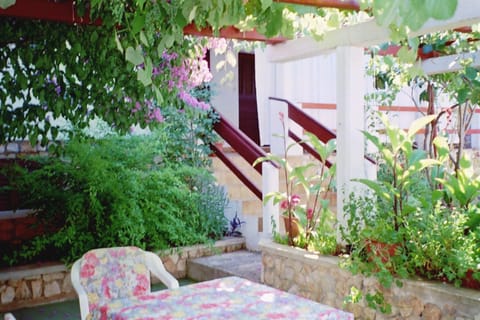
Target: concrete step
(242, 263)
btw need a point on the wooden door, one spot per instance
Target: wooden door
(247, 95)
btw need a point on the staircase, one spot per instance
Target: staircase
(243, 202)
(243, 182)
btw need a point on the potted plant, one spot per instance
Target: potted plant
(304, 202)
(413, 221)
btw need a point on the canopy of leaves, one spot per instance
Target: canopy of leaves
(50, 70)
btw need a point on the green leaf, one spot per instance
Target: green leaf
(134, 56)
(140, 3)
(144, 39)
(158, 95)
(192, 14)
(462, 95)
(407, 55)
(275, 23)
(145, 75)
(266, 4)
(386, 11)
(419, 124)
(443, 150)
(471, 73)
(443, 10)
(4, 4)
(118, 43)
(414, 14)
(138, 22)
(377, 187)
(169, 40)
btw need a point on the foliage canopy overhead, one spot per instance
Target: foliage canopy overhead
(123, 69)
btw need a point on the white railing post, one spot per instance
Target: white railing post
(270, 177)
(351, 163)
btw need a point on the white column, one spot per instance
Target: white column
(350, 122)
(270, 180)
(277, 130)
(265, 87)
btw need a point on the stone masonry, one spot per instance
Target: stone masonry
(321, 279)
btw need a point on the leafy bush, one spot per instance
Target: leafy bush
(117, 191)
(423, 208)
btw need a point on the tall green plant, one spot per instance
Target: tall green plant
(313, 182)
(113, 192)
(404, 162)
(420, 217)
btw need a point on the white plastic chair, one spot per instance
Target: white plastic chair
(8, 316)
(109, 273)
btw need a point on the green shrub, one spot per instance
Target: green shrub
(116, 191)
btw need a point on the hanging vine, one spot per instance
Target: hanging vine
(122, 69)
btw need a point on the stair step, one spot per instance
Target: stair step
(242, 263)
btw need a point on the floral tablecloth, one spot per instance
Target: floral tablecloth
(225, 298)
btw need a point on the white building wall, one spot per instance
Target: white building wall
(313, 80)
(225, 88)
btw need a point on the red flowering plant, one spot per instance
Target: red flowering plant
(304, 200)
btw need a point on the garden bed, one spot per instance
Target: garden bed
(321, 279)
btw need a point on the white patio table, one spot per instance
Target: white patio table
(224, 298)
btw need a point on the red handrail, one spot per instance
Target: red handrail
(311, 125)
(244, 146)
(239, 141)
(308, 148)
(235, 170)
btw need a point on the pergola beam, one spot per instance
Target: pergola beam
(450, 63)
(231, 33)
(367, 34)
(339, 4)
(64, 11)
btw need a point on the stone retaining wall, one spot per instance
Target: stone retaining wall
(319, 278)
(40, 284)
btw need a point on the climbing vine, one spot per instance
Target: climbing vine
(123, 67)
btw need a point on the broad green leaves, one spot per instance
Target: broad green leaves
(144, 75)
(101, 61)
(4, 4)
(412, 13)
(418, 124)
(402, 160)
(443, 10)
(135, 56)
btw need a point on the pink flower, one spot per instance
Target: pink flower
(309, 213)
(284, 204)
(295, 200)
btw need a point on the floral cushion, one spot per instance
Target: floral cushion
(113, 273)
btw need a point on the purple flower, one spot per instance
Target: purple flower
(156, 115)
(137, 107)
